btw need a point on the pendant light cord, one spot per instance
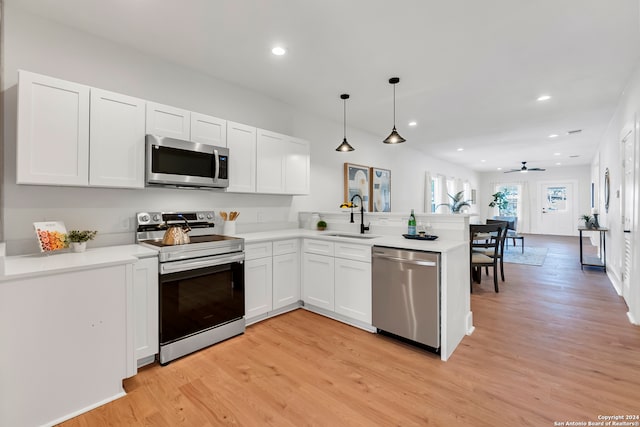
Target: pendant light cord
(345, 118)
(394, 105)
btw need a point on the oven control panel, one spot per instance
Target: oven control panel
(159, 218)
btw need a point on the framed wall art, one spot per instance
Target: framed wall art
(356, 181)
(380, 190)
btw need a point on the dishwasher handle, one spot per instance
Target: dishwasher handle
(406, 261)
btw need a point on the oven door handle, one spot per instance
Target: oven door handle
(177, 266)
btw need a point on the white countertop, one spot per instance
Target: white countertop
(437, 245)
(18, 267)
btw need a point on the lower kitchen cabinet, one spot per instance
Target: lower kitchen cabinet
(318, 280)
(353, 289)
(258, 279)
(146, 305)
(286, 273)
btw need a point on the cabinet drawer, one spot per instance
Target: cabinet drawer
(257, 250)
(282, 247)
(321, 247)
(354, 252)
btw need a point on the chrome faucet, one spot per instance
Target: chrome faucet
(363, 228)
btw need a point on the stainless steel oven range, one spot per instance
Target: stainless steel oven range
(201, 282)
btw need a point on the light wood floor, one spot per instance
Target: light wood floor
(553, 345)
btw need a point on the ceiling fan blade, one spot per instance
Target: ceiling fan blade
(537, 169)
(513, 170)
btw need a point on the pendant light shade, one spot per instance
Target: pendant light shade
(345, 146)
(394, 137)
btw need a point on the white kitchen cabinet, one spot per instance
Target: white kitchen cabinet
(286, 273)
(353, 289)
(297, 166)
(53, 131)
(258, 279)
(283, 164)
(241, 141)
(318, 280)
(208, 130)
(146, 305)
(117, 140)
(165, 120)
(270, 162)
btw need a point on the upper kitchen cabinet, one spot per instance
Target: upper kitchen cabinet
(241, 141)
(282, 164)
(117, 140)
(164, 120)
(208, 130)
(53, 131)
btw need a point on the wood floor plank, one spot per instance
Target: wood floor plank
(554, 345)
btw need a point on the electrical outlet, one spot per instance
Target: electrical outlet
(125, 224)
(260, 216)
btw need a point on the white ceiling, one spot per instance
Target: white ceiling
(470, 70)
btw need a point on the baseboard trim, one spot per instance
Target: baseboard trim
(83, 410)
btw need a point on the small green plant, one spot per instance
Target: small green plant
(586, 218)
(78, 236)
(500, 200)
(457, 202)
(321, 225)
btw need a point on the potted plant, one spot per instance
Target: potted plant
(588, 221)
(321, 225)
(78, 239)
(500, 200)
(457, 202)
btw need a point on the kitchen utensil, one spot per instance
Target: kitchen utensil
(223, 214)
(233, 215)
(177, 234)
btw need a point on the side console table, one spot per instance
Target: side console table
(594, 261)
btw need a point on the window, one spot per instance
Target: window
(512, 191)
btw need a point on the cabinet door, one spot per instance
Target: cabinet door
(164, 120)
(241, 141)
(297, 166)
(317, 281)
(117, 140)
(208, 130)
(286, 279)
(145, 303)
(270, 162)
(53, 131)
(258, 286)
(353, 289)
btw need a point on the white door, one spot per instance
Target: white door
(270, 162)
(286, 279)
(53, 131)
(628, 202)
(258, 286)
(557, 208)
(208, 130)
(318, 280)
(297, 166)
(241, 141)
(353, 289)
(165, 120)
(117, 140)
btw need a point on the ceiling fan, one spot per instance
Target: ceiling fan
(525, 169)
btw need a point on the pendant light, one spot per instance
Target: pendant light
(394, 137)
(345, 146)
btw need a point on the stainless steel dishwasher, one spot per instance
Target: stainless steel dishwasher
(406, 294)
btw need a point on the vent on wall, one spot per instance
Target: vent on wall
(571, 132)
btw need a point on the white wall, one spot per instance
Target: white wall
(44, 47)
(580, 174)
(609, 156)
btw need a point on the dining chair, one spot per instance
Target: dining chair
(479, 259)
(503, 238)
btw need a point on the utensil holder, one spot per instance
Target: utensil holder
(229, 228)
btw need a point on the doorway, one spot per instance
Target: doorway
(557, 210)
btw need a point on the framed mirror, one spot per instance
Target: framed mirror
(607, 190)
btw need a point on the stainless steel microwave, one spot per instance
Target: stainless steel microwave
(175, 162)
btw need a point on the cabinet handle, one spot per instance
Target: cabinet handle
(407, 261)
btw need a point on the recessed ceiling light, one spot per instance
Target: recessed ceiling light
(558, 164)
(544, 97)
(557, 154)
(482, 161)
(278, 51)
(499, 169)
(460, 149)
(553, 135)
(413, 123)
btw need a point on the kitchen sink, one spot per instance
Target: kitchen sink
(352, 235)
